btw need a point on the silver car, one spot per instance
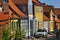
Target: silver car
(41, 33)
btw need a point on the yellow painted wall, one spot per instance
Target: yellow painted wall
(39, 13)
(39, 16)
(51, 25)
(51, 21)
(38, 10)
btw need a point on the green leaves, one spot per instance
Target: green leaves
(15, 35)
(19, 34)
(5, 34)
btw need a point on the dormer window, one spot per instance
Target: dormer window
(0, 9)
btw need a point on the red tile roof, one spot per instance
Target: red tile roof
(4, 16)
(57, 11)
(4, 23)
(10, 14)
(19, 12)
(23, 1)
(45, 18)
(20, 1)
(36, 1)
(57, 20)
(46, 8)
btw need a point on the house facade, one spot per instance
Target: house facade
(48, 17)
(18, 18)
(57, 18)
(38, 12)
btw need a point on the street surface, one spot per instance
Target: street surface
(50, 37)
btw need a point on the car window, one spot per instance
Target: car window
(45, 31)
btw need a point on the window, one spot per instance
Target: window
(24, 24)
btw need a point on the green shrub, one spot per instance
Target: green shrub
(7, 34)
(19, 34)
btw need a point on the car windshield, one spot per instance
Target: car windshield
(42, 30)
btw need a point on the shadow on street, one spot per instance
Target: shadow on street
(53, 38)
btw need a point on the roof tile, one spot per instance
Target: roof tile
(57, 10)
(46, 8)
(4, 16)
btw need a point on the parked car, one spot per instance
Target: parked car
(41, 33)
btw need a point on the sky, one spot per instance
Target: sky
(55, 3)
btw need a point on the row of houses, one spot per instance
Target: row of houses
(43, 16)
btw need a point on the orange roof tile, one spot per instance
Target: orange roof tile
(20, 13)
(46, 8)
(57, 10)
(4, 16)
(4, 23)
(10, 14)
(36, 1)
(23, 1)
(57, 20)
(45, 18)
(20, 1)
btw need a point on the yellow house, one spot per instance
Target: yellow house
(38, 12)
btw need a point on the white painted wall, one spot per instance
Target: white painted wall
(46, 25)
(35, 25)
